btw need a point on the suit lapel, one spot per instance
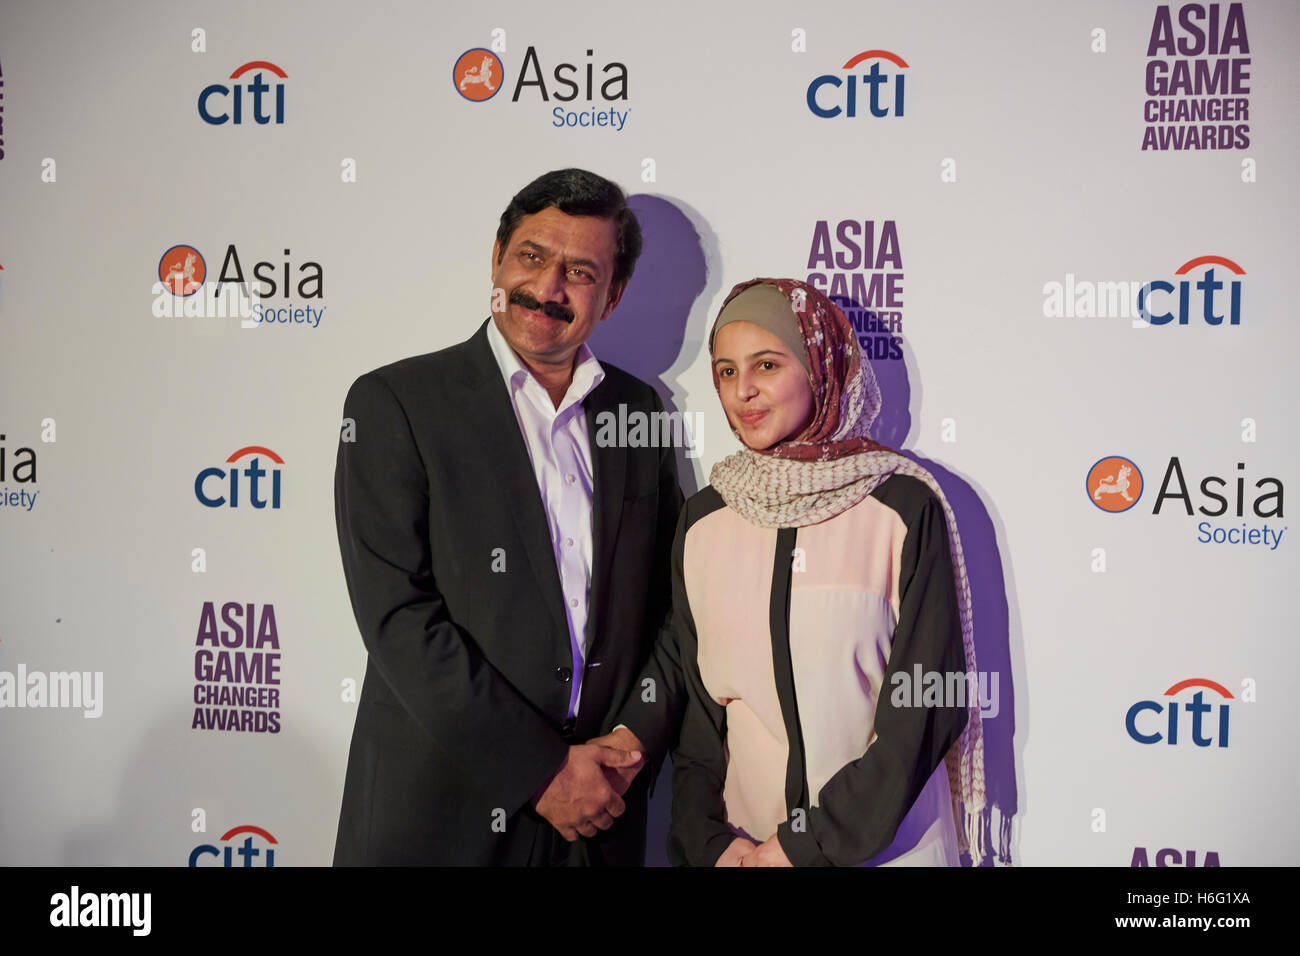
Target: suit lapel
(609, 473)
(495, 428)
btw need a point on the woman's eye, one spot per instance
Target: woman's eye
(767, 366)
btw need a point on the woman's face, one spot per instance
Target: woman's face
(764, 389)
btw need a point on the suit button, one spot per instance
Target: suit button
(564, 674)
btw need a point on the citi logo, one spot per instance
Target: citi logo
(212, 493)
(1210, 305)
(1114, 484)
(1186, 302)
(842, 98)
(230, 100)
(247, 850)
(1202, 716)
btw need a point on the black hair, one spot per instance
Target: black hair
(577, 192)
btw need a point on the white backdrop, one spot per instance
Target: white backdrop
(1017, 161)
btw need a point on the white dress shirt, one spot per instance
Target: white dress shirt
(560, 451)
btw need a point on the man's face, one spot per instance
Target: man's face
(561, 264)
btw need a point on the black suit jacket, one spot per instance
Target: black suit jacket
(449, 563)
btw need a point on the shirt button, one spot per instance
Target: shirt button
(573, 602)
(570, 479)
(568, 542)
(564, 674)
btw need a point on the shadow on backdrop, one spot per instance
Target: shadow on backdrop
(645, 334)
(989, 607)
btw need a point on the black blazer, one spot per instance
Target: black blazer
(449, 564)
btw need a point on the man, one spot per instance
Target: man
(508, 573)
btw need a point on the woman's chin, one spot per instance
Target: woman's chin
(757, 442)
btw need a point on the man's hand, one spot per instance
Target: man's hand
(579, 800)
(620, 778)
(768, 853)
(735, 854)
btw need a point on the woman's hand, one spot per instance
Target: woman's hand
(735, 854)
(768, 854)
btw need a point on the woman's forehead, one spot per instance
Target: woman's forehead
(745, 339)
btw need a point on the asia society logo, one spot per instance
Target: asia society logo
(1206, 289)
(479, 74)
(181, 270)
(237, 669)
(264, 292)
(257, 843)
(1203, 724)
(18, 467)
(1197, 78)
(220, 104)
(219, 487)
(858, 264)
(831, 95)
(1115, 484)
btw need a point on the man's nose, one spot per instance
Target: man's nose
(549, 284)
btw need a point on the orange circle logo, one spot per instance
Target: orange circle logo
(1114, 484)
(182, 270)
(478, 74)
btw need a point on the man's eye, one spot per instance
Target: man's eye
(580, 274)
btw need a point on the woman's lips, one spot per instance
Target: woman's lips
(751, 418)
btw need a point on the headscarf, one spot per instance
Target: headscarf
(832, 465)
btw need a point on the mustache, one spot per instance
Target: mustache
(552, 310)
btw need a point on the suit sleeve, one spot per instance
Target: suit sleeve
(434, 669)
(655, 721)
(699, 832)
(861, 807)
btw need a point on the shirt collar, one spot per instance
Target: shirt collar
(587, 372)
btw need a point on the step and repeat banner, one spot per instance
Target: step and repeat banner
(1064, 233)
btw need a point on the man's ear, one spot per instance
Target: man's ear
(496, 249)
(615, 294)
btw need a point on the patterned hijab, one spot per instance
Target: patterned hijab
(832, 465)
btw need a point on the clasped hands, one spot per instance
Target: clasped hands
(586, 793)
(743, 852)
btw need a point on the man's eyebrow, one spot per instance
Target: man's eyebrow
(752, 355)
(533, 245)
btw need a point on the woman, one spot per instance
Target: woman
(813, 586)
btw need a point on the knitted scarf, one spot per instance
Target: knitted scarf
(832, 466)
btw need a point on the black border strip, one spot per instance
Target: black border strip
(796, 773)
